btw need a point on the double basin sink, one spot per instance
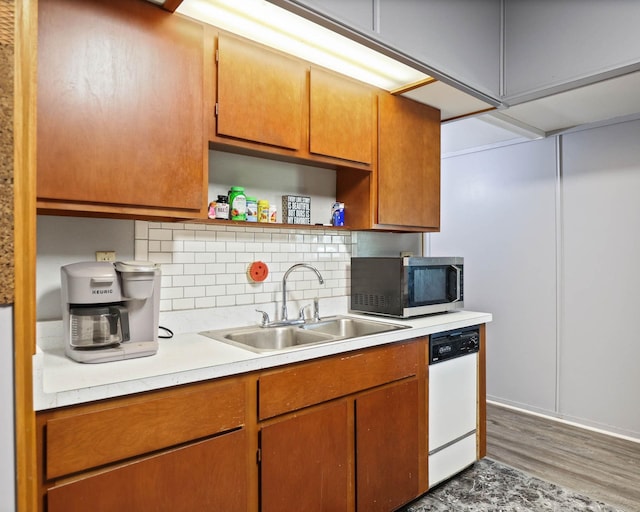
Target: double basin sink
(273, 339)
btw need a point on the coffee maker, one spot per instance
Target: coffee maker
(110, 311)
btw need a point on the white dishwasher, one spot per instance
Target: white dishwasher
(453, 402)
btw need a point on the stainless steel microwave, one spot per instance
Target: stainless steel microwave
(408, 286)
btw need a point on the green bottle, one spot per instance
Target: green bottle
(237, 204)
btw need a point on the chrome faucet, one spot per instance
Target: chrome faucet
(284, 316)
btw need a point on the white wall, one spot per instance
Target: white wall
(498, 212)
(550, 232)
(7, 437)
(600, 353)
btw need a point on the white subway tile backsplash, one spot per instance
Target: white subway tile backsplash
(172, 293)
(183, 234)
(159, 257)
(184, 281)
(160, 234)
(183, 257)
(225, 300)
(225, 257)
(196, 268)
(214, 269)
(245, 237)
(215, 290)
(141, 230)
(226, 236)
(205, 302)
(205, 280)
(244, 299)
(235, 289)
(141, 249)
(178, 304)
(216, 246)
(204, 257)
(225, 278)
(194, 291)
(207, 236)
(192, 246)
(171, 270)
(205, 265)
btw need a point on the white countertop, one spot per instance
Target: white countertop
(190, 357)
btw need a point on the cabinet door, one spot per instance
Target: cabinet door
(387, 439)
(408, 164)
(120, 112)
(306, 463)
(209, 475)
(341, 117)
(261, 94)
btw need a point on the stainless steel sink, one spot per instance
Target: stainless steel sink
(275, 339)
(347, 327)
(268, 339)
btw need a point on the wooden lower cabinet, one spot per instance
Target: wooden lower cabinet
(186, 448)
(345, 433)
(306, 461)
(358, 453)
(206, 475)
(387, 436)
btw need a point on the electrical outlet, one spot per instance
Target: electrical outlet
(105, 255)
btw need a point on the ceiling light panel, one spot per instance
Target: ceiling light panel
(278, 28)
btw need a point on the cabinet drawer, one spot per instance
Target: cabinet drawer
(318, 381)
(90, 436)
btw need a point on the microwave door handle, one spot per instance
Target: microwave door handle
(458, 290)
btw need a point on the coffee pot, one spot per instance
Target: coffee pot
(110, 311)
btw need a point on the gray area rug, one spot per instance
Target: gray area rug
(489, 486)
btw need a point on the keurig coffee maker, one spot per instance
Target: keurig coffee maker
(110, 311)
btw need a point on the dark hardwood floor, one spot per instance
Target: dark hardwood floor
(603, 467)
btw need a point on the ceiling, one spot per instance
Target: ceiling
(606, 101)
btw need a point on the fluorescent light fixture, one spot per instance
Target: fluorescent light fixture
(278, 28)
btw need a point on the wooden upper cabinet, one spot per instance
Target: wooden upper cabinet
(408, 193)
(341, 117)
(261, 94)
(121, 127)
